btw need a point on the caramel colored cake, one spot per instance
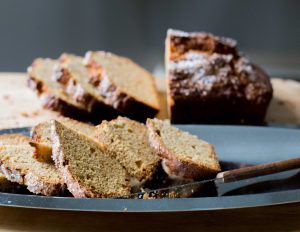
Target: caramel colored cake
(123, 84)
(209, 81)
(184, 155)
(52, 94)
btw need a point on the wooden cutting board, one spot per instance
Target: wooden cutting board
(20, 106)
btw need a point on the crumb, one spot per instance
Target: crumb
(146, 196)
(35, 113)
(6, 97)
(125, 209)
(172, 194)
(25, 114)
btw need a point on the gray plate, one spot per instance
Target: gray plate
(233, 143)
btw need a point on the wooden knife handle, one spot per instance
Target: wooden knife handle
(258, 170)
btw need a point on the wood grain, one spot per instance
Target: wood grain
(258, 170)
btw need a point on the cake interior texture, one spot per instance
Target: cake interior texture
(88, 169)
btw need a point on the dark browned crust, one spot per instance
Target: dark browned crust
(234, 95)
(53, 102)
(116, 98)
(177, 168)
(101, 109)
(200, 41)
(36, 85)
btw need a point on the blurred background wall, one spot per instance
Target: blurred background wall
(268, 31)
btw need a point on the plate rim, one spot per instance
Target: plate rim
(129, 205)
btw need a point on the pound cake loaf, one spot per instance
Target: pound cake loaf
(74, 76)
(41, 136)
(52, 93)
(86, 167)
(127, 141)
(209, 81)
(18, 165)
(184, 155)
(124, 85)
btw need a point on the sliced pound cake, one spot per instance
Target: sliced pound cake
(10, 139)
(52, 93)
(74, 76)
(13, 139)
(127, 141)
(88, 169)
(18, 165)
(184, 155)
(124, 85)
(41, 136)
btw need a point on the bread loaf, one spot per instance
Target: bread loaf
(209, 81)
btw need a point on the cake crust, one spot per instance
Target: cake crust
(173, 164)
(114, 95)
(209, 81)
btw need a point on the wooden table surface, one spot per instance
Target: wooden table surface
(20, 107)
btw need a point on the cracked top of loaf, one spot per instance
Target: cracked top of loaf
(201, 64)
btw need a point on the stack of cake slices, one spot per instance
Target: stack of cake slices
(99, 86)
(116, 158)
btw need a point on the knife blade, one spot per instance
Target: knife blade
(208, 187)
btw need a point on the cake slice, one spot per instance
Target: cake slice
(14, 139)
(41, 136)
(127, 141)
(184, 155)
(209, 81)
(10, 139)
(18, 165)
(52, 93)
(74, 76)
(123, 84)
(87, 168)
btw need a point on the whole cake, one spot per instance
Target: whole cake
(209, 81)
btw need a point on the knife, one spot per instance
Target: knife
(208, 187)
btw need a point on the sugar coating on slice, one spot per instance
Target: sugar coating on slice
(125, 75)
(78, 77)
(128, 142)
(42, 70)
(88, 170)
